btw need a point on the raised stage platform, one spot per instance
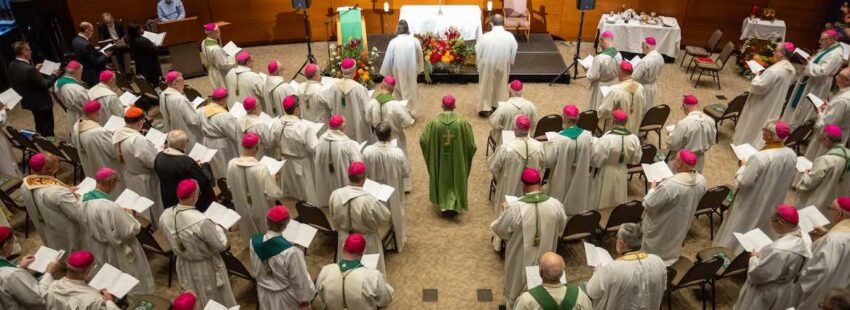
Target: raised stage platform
(537, 61)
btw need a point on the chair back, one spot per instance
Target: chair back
(10, 203)
(586, 222)
(700, 272)
(150, 243)
(313, 216)
(191, 93)
(70, 152)
(588, 120)
(725, 53)
(57, 100)
(628, 212)
(800, 134)
(123, 83)
(551, 122)
(738, 265)
(515, 8)
(655, 117)
(713, 197)
(648, 152)
(736, 106)
(47, 146)
(715, 37)
(21, 140)
(144, 86)
(235, 267)
(224, 196)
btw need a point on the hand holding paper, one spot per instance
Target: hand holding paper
(133, 201)
(273, 165)
(221, 215)
(382, 192)
(753, 240)
(201, 153)
(804, 164)
(657, 171)
(744, 151)
(10, 98)
(43, 257)
(113, 280)
(231, 49)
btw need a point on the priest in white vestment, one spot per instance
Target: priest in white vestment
(628, 96)
(834, 112)
(253, 188)
(551, 269)
(7, 167)
(510, 160)
(220, 131)
(71, 92)
(178, 113)
(20, 289)
(669, 208)
(316, 108)
(830, 173)
(73, 293)
(530, 226)
(259, 123)
(385, 108)
(214, 58)
(348, 98)
(93, 143)
(829, 266)
(817, 79)
(696, 132)
(51, 204)
(635, 280)
(197, 242)
(242, 82)
(648, 70)
(503, 118)
(334, 153)
(388, 165)
(495, 53)
(767, 96)
(104, 92)
(275, 89)
(297, 140)
(773, 270)
(604, 70)
(762, 182)
(611, 153)
(283, 281)
(110, 232)
(568, 162)
(136, 155)
(403, 60)
(365, 288)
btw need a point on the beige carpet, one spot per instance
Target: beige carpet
(453, 255)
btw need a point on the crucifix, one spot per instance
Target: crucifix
(447, 137)
(440, 9)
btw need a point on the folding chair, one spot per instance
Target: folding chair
(145, 87)
(49, 147)
(551, 122)
(191, 93)
(653, 121)
(627, 212)
(689, 274)
(236, 268)
(731, 112)
(22, 143)
(589, 120)
(581, 226)
(648, 152)
(224, 196)
(702, 51)
(9, 201)
(714, 67)
(712, 203)
(313, 216)
(150, 243)
(800, 136)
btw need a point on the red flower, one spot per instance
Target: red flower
(435, 57)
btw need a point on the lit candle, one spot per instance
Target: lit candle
(386, 6)
(489, 5)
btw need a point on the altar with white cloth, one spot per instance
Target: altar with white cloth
(438, 18)
(762, 29)
(628, 36)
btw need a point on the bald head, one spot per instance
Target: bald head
(51, 165)
(497, 20)
(177, 139)
(843, 78)
(551, 267)
(86, 28)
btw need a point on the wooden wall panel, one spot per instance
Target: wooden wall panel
(703, 17)
(809, 15)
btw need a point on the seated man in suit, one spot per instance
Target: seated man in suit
(25, 79)
(93, 60)
(112, 30)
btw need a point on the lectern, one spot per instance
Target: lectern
(183, 38)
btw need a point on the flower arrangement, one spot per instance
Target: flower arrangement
(446, 52)
(759, 50)
(353, 48)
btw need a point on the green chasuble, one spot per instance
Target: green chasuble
(448, 146)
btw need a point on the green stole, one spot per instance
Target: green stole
(210, 42)
(64, 80)
(383, 98)
(611, 52)
(96, 194)
(623, 133)
(345, 268)
(535, 198)
(6, 263)
(573, 133)
(542, 297)
(269, 248)
(799, 93)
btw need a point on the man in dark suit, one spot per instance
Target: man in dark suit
(33, 87)
(93, 60)
(112, 31)
(172, 165)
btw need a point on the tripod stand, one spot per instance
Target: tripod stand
(307, 35)
(576, 57)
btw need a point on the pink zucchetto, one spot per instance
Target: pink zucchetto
(607, 35)
(336, 121)
(516, 85)
(249, 103)
(104, 174)
(571, 111)
(347, 63)
(782, 130)
(650, 41)
(91, 106)
(832, 131)
(277, 214)
(80, 259)
(184, 301)
(620, 115)
(273, 66)
(311, 69)
(210, 27)
(172, 76)
(106, 75)
(357, 168)
(522, 122)
(250, 140)
(38, 161)
(6, 233)
(243, 56)
(186, 188)
(831, 33)
(788, 47)
(530, 176)
(687, 157)
(389, 80)
(843, 203)
(288, 102)
(73, 65)
(788, 213)
(219, 93)
(355, 244)
(690, 100)
(626, 66)
(448, 101)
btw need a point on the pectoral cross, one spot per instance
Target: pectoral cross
(447, 137)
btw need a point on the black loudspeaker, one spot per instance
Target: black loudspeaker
(585, 5)
(301, 4)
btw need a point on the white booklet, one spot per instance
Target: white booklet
(605, 90)
(586, 62)
(213, 305)
(272, 164)
(811, 217)
(114, 123)
(197, 102)
(804, 164)
(818, 102)
(657, 171)
(222, 215)
(201, 153)
(108, 46)
(43, 257)
(127, 99)
(802, 53)
(670, 128)
(596, 256)
(238, 110)
(382, 192)
(532, 276)
(371, 92)
(299, 233)
(113, 280)
(744, 151)
(755, 67)
(85, 186)
(156, 137)
(295, 86)
(508, 136)
(370, 260)
(753, 240)
(156, 38)
(635, 61)
(131, 200)
(48, 67)
(10, 98)
(231, 49)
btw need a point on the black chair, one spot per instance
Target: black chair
(49, 147)
(22, 143)
(653, 121)
(648, 152)
(689, 274)
(589, 120)
(800, 136)
(150, 243)
(737, 266)
(491, 144)
(57, 100)
(191, 93)
(731, 112)
(224, 196)
(551, 122)
(493, 184)
(581, 226)
(788, 97)
(712, 203)
(313, 216)
(235, 267)
(124, 84)
(145, 87)
(713, 68)
(627, 212)
(7, 200)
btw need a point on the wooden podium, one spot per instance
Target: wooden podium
(183, 37)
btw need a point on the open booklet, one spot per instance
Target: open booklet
(114, 123)
(811, 217)
(85, 186)
(657, 171)
(156, 38)
(802, 53)
(197, 102)
(382, 192)
(299, 233)
(43, 257)
(804, 164)
(156, 137)
(296, 87)
(817, 101)
(48, 67)
(231, 49)
(744, 151)
(586, 62)
(213, 305)
(596, 256)
(201, 153)
(113, 280)
(10, 98)
(272, 164)
(238, 110)
(221, 215)
(755, 67)
(532, 276)
(127, 99)
(133, 201)
(753, 240)
(370, 260)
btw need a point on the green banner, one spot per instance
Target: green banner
(350, 25)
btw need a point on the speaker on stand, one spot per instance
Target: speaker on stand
(583, 6)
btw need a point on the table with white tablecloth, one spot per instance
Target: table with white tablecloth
(628, 36)
(427, 18)
(762, 29)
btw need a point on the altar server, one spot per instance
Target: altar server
(762, 183)
(830, 173)
(354, 210)
(253, 122)
(767, 95)
(282, 278)
(348, 98)
(604, 70)
(403, 60)
(20, 290)
(242, 82)
(316, 108)
(552, 293)
(495, 53)
(72, 292)
(93, 143)
(178, 113)
(836, 112)
(628, 96)
(388, 165)
(829, 267)
(110, 232)
(696, 132)
(275, 89)
(7, 167)
(215, 59)
(511, 158)
(817, 79)
(297, 142)
(669, 208)
(52, 204)
(530, 226)
(104, 92)
(385, 108)
(71, 92)
(253, 188)
(136, 155)
(648, 70)
(334, 153)
(568, 160)
(220, 131)
(504, 116)
(611, 153)
(635, 280)
(347, 284)
(197, 242)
